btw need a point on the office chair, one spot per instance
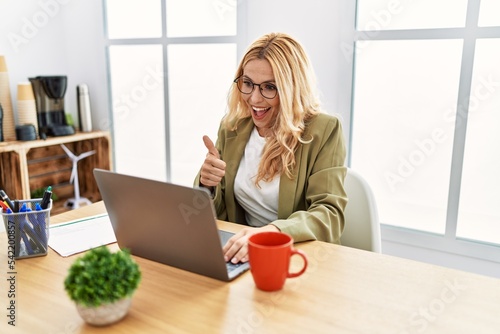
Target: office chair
(362, 227)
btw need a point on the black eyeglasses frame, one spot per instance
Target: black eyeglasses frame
(253, 88)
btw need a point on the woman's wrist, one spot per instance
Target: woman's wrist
(270, 228)
(209, 188)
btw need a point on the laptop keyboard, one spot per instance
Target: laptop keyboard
(224, 236)
(232, 266)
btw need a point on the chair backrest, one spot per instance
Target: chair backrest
(362, 226)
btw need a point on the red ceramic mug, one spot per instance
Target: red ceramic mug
(269, 255)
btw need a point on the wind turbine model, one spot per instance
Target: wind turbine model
(74, 203)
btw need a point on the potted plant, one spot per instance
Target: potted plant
(102, 283)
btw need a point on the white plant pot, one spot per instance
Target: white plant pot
(105, 314)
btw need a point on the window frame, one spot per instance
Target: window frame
(449, 242)
(165, 41)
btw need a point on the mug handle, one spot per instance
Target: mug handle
(304, 257)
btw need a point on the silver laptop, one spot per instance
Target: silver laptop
(166, 223)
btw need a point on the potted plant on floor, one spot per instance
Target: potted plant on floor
(102, 283)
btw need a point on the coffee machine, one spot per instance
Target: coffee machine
(49, 99)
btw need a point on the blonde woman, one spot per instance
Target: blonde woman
(278, 162)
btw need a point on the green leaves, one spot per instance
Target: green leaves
(101, 277)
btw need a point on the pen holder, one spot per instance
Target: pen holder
(28, 232)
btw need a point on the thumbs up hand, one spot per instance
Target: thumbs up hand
(213, 168)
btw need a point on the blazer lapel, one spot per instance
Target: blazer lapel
(235, 147)
(288, 189)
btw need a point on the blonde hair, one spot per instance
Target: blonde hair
(296, 85)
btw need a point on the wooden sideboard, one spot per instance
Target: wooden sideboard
(26, 166)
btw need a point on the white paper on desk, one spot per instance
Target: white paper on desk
(80, 235)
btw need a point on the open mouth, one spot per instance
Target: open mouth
(260, 112)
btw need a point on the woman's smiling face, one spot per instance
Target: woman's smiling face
(264, 111)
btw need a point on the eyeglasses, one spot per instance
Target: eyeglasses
(246, 86)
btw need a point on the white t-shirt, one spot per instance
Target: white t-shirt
(260, 204)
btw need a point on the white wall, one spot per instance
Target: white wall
(57, 37)
(466, 263)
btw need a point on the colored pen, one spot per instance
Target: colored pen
(6, 199)
(47, 195)
(40, 226)
(31, 239)
(27, 244)
(4, 206)
(22, 226)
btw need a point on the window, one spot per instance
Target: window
(426, 118)
(169, 81)
(375, 15)
(403, 120)
(198, 87)
(136, 73)
(479, 212)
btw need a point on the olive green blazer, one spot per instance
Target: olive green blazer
(311, 205)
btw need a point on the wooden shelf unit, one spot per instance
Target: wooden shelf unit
(29, 165)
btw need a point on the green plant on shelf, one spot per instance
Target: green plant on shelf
(38, 193)
(102, 277)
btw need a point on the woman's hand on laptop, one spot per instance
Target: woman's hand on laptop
(236, 248)
(213, 168)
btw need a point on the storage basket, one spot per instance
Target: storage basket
(28, 230)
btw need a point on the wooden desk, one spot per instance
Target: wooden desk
(344, 291)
